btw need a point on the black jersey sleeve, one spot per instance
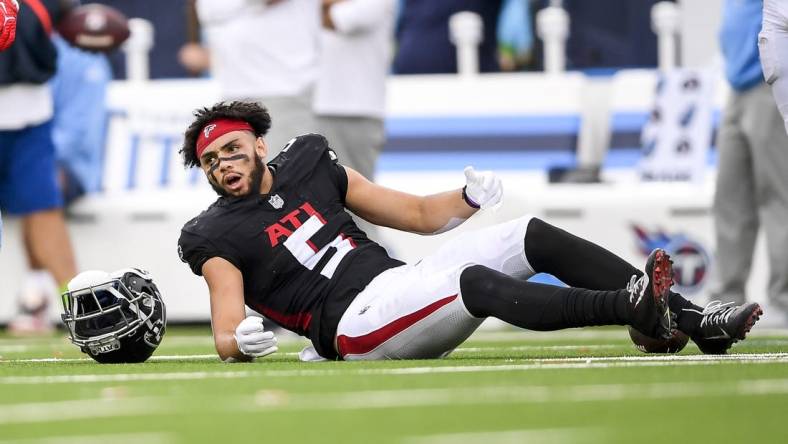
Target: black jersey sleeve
(195, 250)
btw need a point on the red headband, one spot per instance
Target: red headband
(217, 128)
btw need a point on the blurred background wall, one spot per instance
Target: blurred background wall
(564, 130)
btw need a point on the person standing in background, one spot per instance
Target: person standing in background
(351, 88)
(515, 35)
(423, 45)
(266, 51)
(773, 48)
(193, 55)
(607, 34)
(28, 178)
(752, 184)
(170, 33)
(80, 119)
(350, 95)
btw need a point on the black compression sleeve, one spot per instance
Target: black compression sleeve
(486, 292)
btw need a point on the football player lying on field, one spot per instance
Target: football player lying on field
(279, 240)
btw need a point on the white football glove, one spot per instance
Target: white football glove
(253, 340)
(483, 189)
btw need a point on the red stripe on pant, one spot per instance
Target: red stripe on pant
(359, 345)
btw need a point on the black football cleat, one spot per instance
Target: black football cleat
(722, 325)
(648, 297)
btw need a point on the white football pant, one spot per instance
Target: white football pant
(415, 311)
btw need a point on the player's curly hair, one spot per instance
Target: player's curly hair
(252, 113)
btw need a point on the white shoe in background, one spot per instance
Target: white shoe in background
(37, 293)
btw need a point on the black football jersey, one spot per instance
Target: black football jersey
(302, 257)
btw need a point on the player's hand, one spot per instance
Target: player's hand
(8, 11)
(253, 340)
(483, 189)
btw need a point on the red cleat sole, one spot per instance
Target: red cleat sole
(755, 315)
(661, 277)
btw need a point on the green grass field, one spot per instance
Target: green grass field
(577, 386)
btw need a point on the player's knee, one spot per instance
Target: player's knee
(538, 242)
(478, 288)
(537, 228)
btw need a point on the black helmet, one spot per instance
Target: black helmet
(115, 318)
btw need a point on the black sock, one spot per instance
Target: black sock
(687, 314)
(488, 292)
(580, 263)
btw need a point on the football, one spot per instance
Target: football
(94, 27)
(647, 344)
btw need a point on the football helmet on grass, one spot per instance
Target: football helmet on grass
(116, 317)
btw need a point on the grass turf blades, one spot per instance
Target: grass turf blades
(575, 386)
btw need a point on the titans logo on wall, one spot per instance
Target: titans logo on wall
(691, 262)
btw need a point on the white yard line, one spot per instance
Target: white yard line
(108, 407)
(163, 358)
(314, 371)
(32, 341)
(587, 333)
(289, 338)
(127, 377)
(80, 409)
(656, 357)
(16, 348)
(41, 342)
(529, 335)
(542, 436)
(114, 438)
(538, 347)
(670, 358)
(361, 400)
(188, 340)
